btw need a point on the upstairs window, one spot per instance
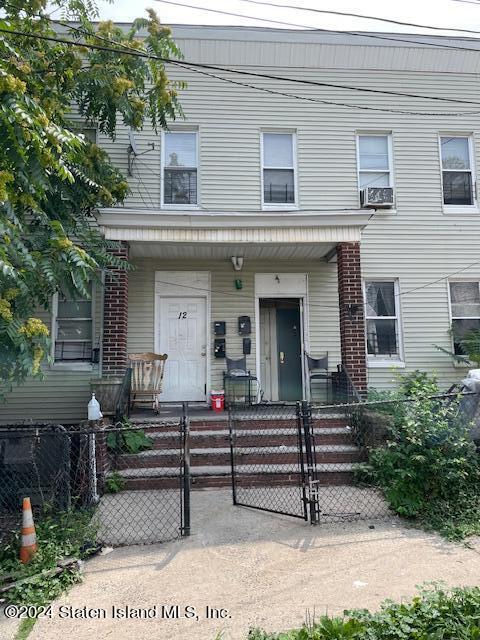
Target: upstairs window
(374, 161)
(382, 319)
(73, 329)
(278, 168)
(90, 134)
(457, 173)
(464, 310)
(180, 165)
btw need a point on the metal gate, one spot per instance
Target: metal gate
(273, 459)
(299, 459)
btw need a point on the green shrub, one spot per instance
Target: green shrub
(128, 440)
(435, 614)
(60, 535)
(429, 468)
(114, 482)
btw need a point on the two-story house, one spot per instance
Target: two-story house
(250, 226)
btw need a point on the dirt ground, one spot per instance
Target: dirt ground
(266, 570)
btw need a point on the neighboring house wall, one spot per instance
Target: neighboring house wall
(63, 394)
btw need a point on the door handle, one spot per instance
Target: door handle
(282, 357)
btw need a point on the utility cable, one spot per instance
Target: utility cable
(296, 25)
(136, 52)
(362, 16)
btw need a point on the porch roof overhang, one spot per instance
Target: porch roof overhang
(233, 228)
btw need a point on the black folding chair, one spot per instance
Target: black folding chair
(318, 370)
(237, 382)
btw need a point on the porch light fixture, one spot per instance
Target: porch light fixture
(237, 262)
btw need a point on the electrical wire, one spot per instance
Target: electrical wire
(197, 68)
(130, 50)
(296, 25)
(330, 102)
(325, 306)
(261, 75)
(362, 16)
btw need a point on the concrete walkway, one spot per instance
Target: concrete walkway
(267, 570)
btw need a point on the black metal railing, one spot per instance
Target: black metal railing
(344, 389)
(278, 193)
(122, 400)
(180, 186)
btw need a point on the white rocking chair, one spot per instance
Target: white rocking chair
(147, 378)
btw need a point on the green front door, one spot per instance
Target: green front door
(289, 337)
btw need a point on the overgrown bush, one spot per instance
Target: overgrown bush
(114, 482)
(128, 439)
(429, 468)
(434, 614)
(59, 535)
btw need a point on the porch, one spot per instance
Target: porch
(209, 288)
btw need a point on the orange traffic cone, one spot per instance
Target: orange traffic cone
(29, 537)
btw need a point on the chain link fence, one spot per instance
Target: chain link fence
(308, 460)
(134, 481)
(268, 468)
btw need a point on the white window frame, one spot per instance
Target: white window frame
(391, 172)
(381, 361)
(450, 314)
(64, 364)
(163, 205)
(91, 128)
(459, 208)
(282, 206)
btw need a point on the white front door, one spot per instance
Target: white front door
(182, 336)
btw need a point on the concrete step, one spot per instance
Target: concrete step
(269, 423)
(250, 437)
(334, 478)
(243, 455)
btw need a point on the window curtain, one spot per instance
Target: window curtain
(380, 299)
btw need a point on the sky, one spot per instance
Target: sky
(443, 13)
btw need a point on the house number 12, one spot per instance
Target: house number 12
(182, 315)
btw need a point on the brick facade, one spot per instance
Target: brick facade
(352, 317)
(115, 318)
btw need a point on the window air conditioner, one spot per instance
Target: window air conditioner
(377, 197)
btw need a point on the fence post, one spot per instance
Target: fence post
(301, 460)
(232, 453)
(312, 479)
(186, 470)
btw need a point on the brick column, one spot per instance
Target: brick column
(352, 318)
(115, 318)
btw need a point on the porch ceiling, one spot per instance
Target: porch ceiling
(168, 251)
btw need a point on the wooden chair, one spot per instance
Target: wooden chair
(147, 378)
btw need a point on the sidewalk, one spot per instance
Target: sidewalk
(267, 570)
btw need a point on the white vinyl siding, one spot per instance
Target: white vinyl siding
(278, 169)
(464, 310)
(228, 305)
(180, 169)
(458, 176)
(382, 321)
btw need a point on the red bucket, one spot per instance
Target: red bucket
(217, 401)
